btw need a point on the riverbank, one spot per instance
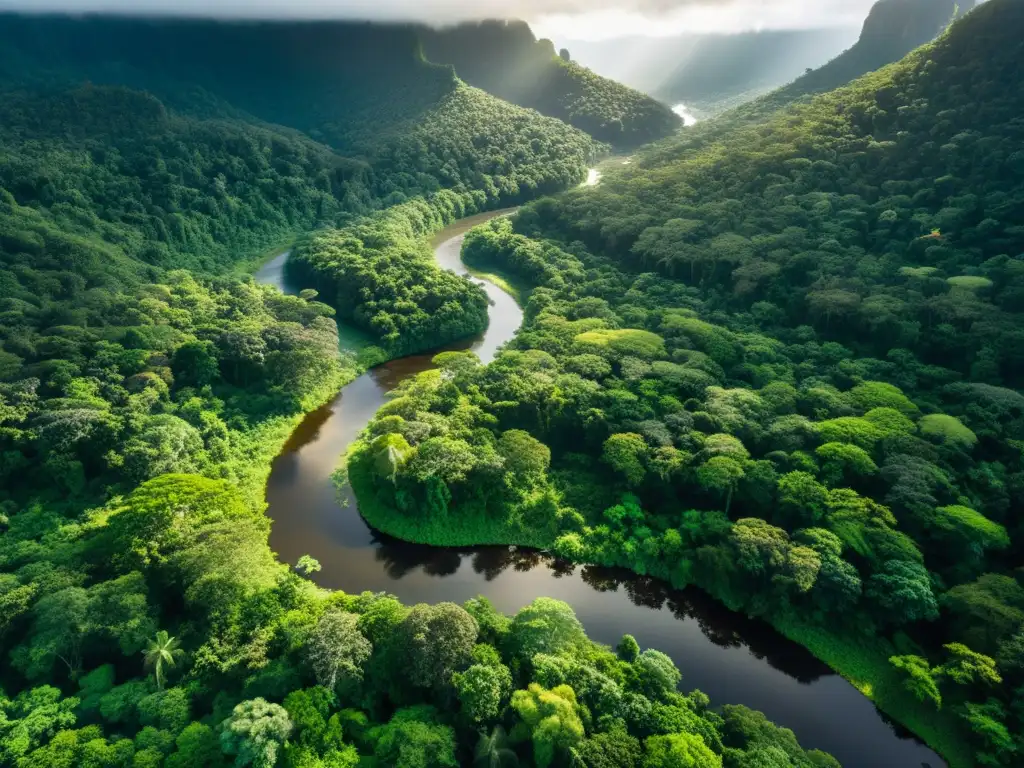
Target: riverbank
(355, 472)
(864, 661)
(864, 664)
(861, 661)
(256, 450)
(732, 658)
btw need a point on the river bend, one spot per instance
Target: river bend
(728, 656)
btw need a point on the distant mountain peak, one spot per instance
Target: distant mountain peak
(892, 29)
(910, 23)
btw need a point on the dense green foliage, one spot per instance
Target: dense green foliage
(102, 187)
(108, 184)
(504, 58)
(349, 85)
(361, 89)
(107, 390)
(777, 361)
(145, 387)
(381, 274)
(256, 666)
(114, 369)
(781, 362)
(881, 216)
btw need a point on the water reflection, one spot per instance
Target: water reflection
(722, 627)
(731, 657)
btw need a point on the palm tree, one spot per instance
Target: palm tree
(491, 751)
(162, 650)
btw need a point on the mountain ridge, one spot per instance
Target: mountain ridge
(505, 58)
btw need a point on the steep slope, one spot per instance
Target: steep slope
(716, 70)
(892, 29)
(143, 188)
(338, 91)
(781, 361)
(504, 58)
(927, 144)
(350, 85)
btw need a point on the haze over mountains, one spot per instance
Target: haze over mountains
(748, 59)
(774, 361)
(591, 19)
(706, 69)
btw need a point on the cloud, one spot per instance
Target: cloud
(582, 18)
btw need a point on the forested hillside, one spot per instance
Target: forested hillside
(713, 71)
(362, 89)
(504, 58)
(145, 387)
(782, 362)
(104, 186)
(892, 29)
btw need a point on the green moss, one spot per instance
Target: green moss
(970, 282)
(919, 272)
(947, 429)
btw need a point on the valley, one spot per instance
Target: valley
(729, 657)
(375, 393)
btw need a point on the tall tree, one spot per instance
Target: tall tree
(161, 652)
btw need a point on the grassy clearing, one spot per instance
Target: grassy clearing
(253, 451)
(518, 289)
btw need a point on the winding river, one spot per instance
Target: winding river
(728, 656)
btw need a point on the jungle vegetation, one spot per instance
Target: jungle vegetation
(504, 58)
(146, 383)
(781, 361)
(892, 29)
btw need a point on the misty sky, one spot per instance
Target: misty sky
(565, 19)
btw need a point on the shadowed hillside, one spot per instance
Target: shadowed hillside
(782, 361)
(504, 58)
(892, 30)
